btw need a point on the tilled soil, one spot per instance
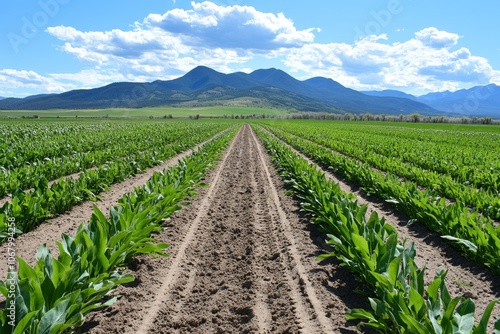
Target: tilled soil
(50, 231)
(241, 261)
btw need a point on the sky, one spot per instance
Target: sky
(415, 46)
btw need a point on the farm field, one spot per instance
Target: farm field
(406, 214)
(177, 112)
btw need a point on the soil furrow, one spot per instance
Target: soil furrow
(287, 231)
(174, 269)
(240, 263)
(50, 232)
(235, 261)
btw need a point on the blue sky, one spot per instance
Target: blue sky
(416, 46)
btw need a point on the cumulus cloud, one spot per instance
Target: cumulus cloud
(240, 27)
(424, 63)
(13, 80)
(437, 39)
(109, 46)
(166, 44)
(18, 83)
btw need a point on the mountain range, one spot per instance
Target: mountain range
(477, 101)
(271, 88)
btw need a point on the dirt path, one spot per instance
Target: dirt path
(241, 261)
(50, 232)
(464, 278)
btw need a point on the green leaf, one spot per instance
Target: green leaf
(472, 247)
(57, 315)
(483, 323)
(24, 323)
(464, 323)
(447, 321)
(412, 325)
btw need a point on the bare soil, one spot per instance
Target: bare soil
(241, 261)
(50, 231)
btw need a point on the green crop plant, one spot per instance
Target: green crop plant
(474, 234)
(56, 294)
(400, 300)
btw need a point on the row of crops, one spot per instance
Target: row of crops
(103, 153)
(56, 293)
(400, 300)
(463, 167)
(470, 229)
(447, 180)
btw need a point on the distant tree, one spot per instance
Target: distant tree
(486, 120)
(415, 118)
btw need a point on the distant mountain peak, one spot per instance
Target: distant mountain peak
(323, 82)
(202, 70)
(390, 93)
(270, 74)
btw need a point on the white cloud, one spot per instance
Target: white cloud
(227, 38)
(12, 80)
(233, 27)
(437, 39)
(424, 63)
(164, 45)
(20, 83)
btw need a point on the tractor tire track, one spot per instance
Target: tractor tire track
(241, 262)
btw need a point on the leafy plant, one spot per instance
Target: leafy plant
(399, 299)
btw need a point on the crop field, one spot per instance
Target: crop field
(157, 112)
(268, 226)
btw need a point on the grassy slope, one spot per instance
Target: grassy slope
(146, 112)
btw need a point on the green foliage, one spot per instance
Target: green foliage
(55, 295)
(399, 299)
(473, 233)
(446, 162)
(132, 149)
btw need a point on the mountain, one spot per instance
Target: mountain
(473, 102)
(390, 93)
(204, 86)
(1, 97)
(477, 101)
(350, 99)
